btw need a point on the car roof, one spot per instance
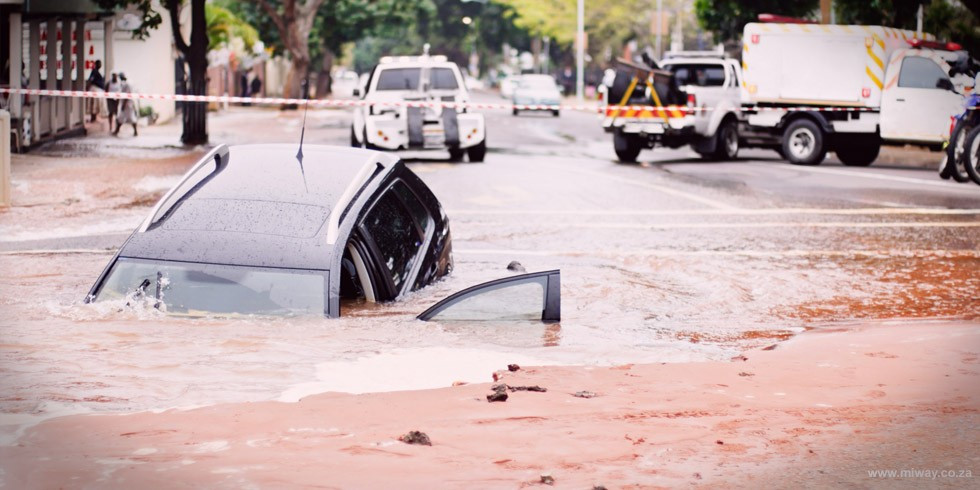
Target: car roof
(259, 207)
(417, 63)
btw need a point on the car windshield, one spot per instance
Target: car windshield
(399, 79)
(202, 289)
(700, 75)
(537, 83)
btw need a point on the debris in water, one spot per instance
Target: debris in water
(547, 479)
(743, 373)
(527, 388)
(584, 394)
(513, 367)
(515, 266)
(771, 347)
(459, 383)
(598, 487)
(416, 437)
(497, 396)
(697, 476)
(719, 442)
(740, 358)
(496, 377)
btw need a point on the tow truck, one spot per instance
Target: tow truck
(692, 98)
(409, 106)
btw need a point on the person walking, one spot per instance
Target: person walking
(113, 104)
(95, 83)
(127, 107)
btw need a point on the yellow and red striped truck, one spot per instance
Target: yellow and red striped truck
(808, 89)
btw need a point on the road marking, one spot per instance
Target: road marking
(659, 188)
(777, 224)
(868, 175)
(56, 251)
(713, 212)
(726, 253)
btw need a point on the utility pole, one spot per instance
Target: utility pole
(826, 6)
(660, 25)
(580, 53)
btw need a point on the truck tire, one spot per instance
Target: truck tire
(803, 143)
(971, 155)
(353, 138)
(477, 153)
(627, 146)
(726, 142)
(858, 152)
(456, 154)
(955, 166)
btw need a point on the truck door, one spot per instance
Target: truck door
(918, 107)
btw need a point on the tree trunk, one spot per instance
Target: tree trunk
(299, 69)
(324, 81)
(195, 114)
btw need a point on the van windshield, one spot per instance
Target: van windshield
(700, 75)
(399, 79)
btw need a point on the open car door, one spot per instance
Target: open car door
(535, 296)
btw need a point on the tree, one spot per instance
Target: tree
(294, 20)
(948, 20)
(727, 18)
(195, 54)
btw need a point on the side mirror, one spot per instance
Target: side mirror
(357, 92)
(945, 84)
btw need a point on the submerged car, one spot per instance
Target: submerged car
(404, 109)
(539, 91)
(267, 230)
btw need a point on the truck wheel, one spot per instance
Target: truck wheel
(956, 152)
(858, 153)
(971, 155)
(515, 111)
(803, 143)
(627, 146)
(456, 154)
(556, 113)
(726, 142)
(477, 153)
(353, 138)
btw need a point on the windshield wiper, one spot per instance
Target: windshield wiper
(140, 291)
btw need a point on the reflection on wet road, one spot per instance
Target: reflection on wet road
(660, 262)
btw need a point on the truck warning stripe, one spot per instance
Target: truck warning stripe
(874, 78)
(876, 59)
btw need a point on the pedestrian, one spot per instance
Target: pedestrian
(256, 86)
(95, 83)
(127, 107)
(113, 104)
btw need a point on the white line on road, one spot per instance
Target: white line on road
(778, 224)
(56, 251)
(659, 188)
(725, 253)
(948, 185)
(713, 212)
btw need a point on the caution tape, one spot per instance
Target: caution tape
(596, 108)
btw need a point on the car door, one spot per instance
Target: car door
(918, 107)
(529, 297)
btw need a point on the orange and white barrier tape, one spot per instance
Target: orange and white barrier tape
(608, 110)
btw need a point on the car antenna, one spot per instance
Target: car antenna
(302, 134)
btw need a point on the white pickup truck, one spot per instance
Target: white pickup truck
(407, 107)
(808, 89)
(707, 83)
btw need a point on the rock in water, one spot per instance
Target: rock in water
(416, 437)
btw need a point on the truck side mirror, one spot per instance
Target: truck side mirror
(357, 92)
(945, 84)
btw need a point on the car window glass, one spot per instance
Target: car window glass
(197, 289)
(520, 301)
(399, 79)
(919, 72)
(415, 207)
(396, 235)
(700, 75)
(443, 79)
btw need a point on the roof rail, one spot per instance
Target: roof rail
(220, 151)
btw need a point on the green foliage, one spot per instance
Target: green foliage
(727, 18)
(948, 20)
(224, 25)
(151, 19)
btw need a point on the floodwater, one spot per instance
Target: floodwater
(683, 283)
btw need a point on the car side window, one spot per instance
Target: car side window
(398, 224)
(919, 72)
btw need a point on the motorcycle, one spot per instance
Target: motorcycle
(957, 160)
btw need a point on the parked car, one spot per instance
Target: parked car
(260, 229)
(540, 91)
(386, 123)
(508, 84)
